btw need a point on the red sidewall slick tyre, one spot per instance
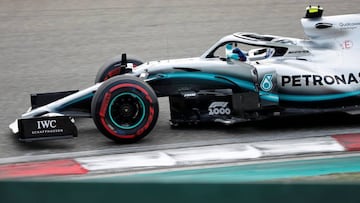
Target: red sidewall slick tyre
(125, 109)
(112, 68)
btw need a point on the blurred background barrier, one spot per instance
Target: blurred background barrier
(31, 191)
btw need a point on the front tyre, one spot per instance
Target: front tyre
(113, 68)
(125, 109)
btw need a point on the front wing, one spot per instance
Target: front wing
(45, 128)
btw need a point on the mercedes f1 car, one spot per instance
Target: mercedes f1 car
(242, 77)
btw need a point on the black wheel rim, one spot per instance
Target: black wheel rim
(126, 111)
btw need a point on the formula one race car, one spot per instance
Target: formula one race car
(242, 77)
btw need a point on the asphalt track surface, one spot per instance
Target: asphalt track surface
(51, 45)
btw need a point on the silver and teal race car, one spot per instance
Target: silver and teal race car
(242, 77)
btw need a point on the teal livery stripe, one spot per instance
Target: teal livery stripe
(208, 76)
(242, 83)
(312, 98)
(88, 96)
(305, 98)
(269, 96)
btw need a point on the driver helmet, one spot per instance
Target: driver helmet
(239, 54)
(234, 53)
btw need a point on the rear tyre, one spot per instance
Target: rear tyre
(125, 109)
(112, 68)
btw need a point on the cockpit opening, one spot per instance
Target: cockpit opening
(241, 52)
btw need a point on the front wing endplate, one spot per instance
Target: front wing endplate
(46, 128)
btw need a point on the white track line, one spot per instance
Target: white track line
(208, 154)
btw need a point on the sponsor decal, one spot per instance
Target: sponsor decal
(319, 80)
(219, 108)
(299, 52)
(46, 124)
(46, 132)
(346, 26)
(347, 44)
(266, 83)
(190, 94)
(46, 127)
(41, 127)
